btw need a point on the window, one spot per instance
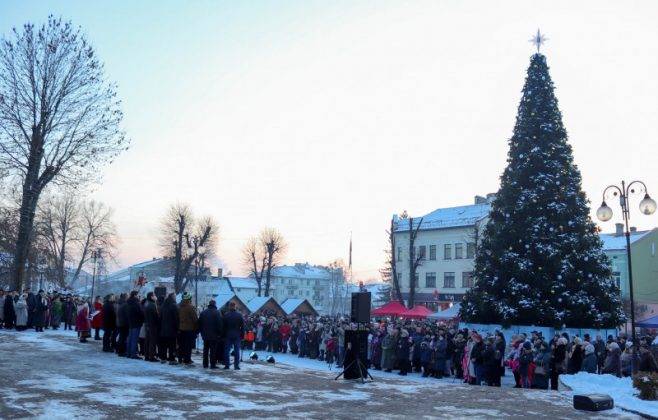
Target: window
(400, 278)
(467, 279)
(291, 292)
(447, 252)
(432, 252)
(616, 275)
(430, 280)
(470, 250)
(416, 280)
(449, 280)
(307, 293)
(308, 282)
(422, 251)
(459, 251)
(399, 253)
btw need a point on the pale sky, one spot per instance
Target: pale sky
(321, 118)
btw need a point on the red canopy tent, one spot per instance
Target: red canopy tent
(393, 308)
(418, 311)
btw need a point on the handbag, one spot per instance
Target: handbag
(539, 370)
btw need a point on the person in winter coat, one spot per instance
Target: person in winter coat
(82, 323)
(285, 336)
(426, 357)
(600, 352)
(9, 311)
(152, 327)
(135, 318)
(70, 313)
(477, 359)
(376, 350)
(2, 308)
(31, 306)
(439, 362)
(234, 327)
(109, 324)
(97, 321)
(525, 358)
(647, 361)
(187, 326)
(493, 361)
(542, 362)
(122, 326)
(389, 348)
(21, 311)
(417, 336)
(169, 328)
(590, 362)
(56, 311)
(626, 360)
(403, 355)
(40, 308)
(210, 326)
(575, 357)
(558, 360)
(612, 363)
(459, 344)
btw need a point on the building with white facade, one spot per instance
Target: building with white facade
(311, 282)
(446, 243)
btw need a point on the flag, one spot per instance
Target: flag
(350, 262)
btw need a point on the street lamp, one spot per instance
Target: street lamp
(604, 213)
(95, 255)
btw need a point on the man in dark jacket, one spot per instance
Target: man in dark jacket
(9, 312)
(169, 329)
(152, 326)
(31, 306)
(210, 326)
(109, 323)
(135, 321)
(122, 326)
(234, 327)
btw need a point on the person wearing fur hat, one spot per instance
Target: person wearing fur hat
(403, 353)
(612, 363)
(590, 361)
(135, 322)
(525, 358)
(40, 308)
(188, 326)
(82, 323)
(477, 359)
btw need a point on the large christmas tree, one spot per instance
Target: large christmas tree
(540, 260)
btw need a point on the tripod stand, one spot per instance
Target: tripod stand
(360, 365)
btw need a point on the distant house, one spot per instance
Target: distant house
(645, 262)
(222, 300)
(305, 281)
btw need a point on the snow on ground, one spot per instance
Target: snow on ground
(620, 389)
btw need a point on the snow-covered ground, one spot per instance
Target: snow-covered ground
(620, 389)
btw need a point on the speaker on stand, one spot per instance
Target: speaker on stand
(356, 341)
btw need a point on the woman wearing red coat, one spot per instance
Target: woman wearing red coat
(82, 324)
(97, 320)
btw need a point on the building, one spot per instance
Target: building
(315, 283)
(245, 288)
(446, 243)
(645, 265)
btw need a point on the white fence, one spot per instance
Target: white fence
(547, 332)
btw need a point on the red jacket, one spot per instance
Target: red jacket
(82, 320)
(285, 331)
(97, 322)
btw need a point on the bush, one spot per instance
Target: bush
(647, 384)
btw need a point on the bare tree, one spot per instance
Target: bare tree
(274, 247)
(389, 273)
(337, 286)
(96, 230)
(415, 259)
(57, 222)
(185, 238)
(254, 259)
(59, 116)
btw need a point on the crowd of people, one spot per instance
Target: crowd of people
(158, 329)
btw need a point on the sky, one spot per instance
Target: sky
(324, 118)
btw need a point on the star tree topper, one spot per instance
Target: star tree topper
(538, 40)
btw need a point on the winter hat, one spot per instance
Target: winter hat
(613, 346)
(562, 340)
(629, 344)
(589, 349)
(527, 345)
(187, 296)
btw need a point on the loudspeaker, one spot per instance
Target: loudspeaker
(593, 402)
(356, 346)
(160, 292)
(360, 307)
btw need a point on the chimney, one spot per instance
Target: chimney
(633, 229)
(480, 200)
(619, 229)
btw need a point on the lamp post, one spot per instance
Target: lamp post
(95, 255)
(604, 213)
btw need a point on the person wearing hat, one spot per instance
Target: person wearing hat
(612, 361)
(135, 322)
(590, 361)
(210, 326)
(39, 310)
(525, 358)
(188, 327)
(626, 359)
(234, 326)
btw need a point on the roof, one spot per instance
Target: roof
(447, 217)
(257, 302)
(648, 323)
(290, 305)
(392, 308)
(612, 241)
(223, 298)
(418, 311)
(450, 313)
(303, 271)
(243, 282)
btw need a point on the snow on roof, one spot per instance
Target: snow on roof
(223, 298)
(257, 302)
(448, 217)
(243, 282)
(612, 241)
(304, 271)
(290, 305)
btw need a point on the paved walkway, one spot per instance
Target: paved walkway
(51, 375)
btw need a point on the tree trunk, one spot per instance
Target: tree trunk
(412, 264)
(394, 271)
(267, 278)
(24, 238)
